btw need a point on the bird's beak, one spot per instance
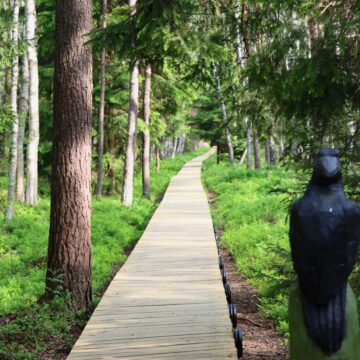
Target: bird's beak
(329, 166)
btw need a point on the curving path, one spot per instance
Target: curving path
(167, 301)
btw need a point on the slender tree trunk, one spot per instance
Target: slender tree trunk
(14, 111)
(243, 156)
(223, 112)
(249, 162)
(281, 147)
(23, 113)
(157, 151)
(175, 146)
(69, 252)
(100, 168)
(267, 150)
(272, 147)
(4, 102)
(33, 144)
(257, 150)
(146, 134)
(128, 186)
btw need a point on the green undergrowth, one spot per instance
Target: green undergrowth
(251, 208)
(28, 329)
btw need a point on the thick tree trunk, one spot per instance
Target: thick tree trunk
(69, 252)
(223, 111)
(146, 134)
(249, 161)
(128, 186)
(23, 113)
(14, 111)
(100, 166)
(257, 157)
(33, 144)
(157, 151)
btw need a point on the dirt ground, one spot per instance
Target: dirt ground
(261, 341)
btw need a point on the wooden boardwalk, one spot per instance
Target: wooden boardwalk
(167, 301)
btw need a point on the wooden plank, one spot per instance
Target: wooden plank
(167, 301)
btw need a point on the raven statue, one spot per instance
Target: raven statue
(324, 238)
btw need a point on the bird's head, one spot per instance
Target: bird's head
(327, 167)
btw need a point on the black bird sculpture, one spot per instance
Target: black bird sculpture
(324, 238)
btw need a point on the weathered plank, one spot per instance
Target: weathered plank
(167, 301)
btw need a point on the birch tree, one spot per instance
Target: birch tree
(146, 133)
(100, 166)
(23, 114)
(14, 109)
(33, 142)
(128, 186)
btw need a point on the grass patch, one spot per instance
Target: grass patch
(28, 329)
(252, 209)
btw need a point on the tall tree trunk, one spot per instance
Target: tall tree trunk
(146, 134)
(69, 252)
(157, 151)
(33, 144)
(249, 161)
(175, 146)
(272, 153)
(100, 166)
(223, 111)
(4, 101)
(257, 150)
(128, 186)
(23, 113)
(267, 151)
(14, 111)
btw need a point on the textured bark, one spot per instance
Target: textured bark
(100, 162)
(249, 145)
(157, 151)
(69, 252)
(146, 133)
(256, 150)
(33, 142)
(14, 111)
(23, 113)
(128, 186)
(223, 111)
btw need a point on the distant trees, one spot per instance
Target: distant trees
(14, 109)
(34, 126)
(69, 252)
(100, 160)
(146, 132)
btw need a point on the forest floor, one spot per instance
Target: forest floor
(261, 340)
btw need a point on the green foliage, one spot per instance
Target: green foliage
(253, 219)
(252, 210)
(28, 327)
